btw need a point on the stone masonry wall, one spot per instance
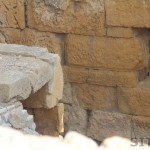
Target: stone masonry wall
(104, 46)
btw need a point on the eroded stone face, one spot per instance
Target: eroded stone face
(69, 16)
(12, 14)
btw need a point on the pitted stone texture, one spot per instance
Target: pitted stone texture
(12, 14)
(129, 13)
(80, 17)
(95, 52)
(107, 124)
(53, 42)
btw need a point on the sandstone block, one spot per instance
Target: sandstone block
(53, 42)
(119, 32)
(80, 17)
(95, 52)
(75, 119)
(106, 124)
(113, 78)
(51, 123)
(96, 97)
(129, 13)
(12, 14)
(134, 101)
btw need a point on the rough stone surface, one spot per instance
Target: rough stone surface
(95, 52)
(53, 42)
(113, 78)
(134, 101)
(80, 17)
(96, 97)
(128, 13)
(12, 14)
(140, 127)
(75, 119)
(120, 32)
(107, 124)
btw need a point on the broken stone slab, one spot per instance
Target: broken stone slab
(13, 115)
(25, 70)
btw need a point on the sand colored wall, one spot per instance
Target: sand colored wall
(104, 46)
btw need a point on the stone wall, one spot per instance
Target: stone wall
(104, 47)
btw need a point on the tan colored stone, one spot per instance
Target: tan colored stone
(119, 32)
(2, 38)
(95, 97)
(65, 73)
(49, 121)
(12, 14)
(113, 78)
(77, 75)
(140, 127)
(105, 124)
(37, 100)
(95, 52)
(134, 100)
(53, 42)
(46, 121)
(129, 13)
(86, 17)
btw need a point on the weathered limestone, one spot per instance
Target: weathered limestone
(134, 101)
(95, 52)
(53, 42)
(80, 17)
(129, 13)
(119, 32)
(96, 97)
(34, 74)
(12, 14)
(107, 124)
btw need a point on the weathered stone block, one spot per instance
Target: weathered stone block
(53, 42)
(134, 101)
(140, 127)
(80, 17)
(119, 32)
(95, 52)
(95, 97)
(113, 78)
(129, 13)
(106, 124)
(12, 14)
(51, 123)
(75, 119)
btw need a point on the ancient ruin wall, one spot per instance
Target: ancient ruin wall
(104, 47)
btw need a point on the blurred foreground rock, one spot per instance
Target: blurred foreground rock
(12, 140)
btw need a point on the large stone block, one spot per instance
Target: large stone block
(134, 101)
(53, 42)
(129, 13)
(106, 124)
(95, 97)
(95, 52)
(113, 78)
(70, 16)
(12, 14)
